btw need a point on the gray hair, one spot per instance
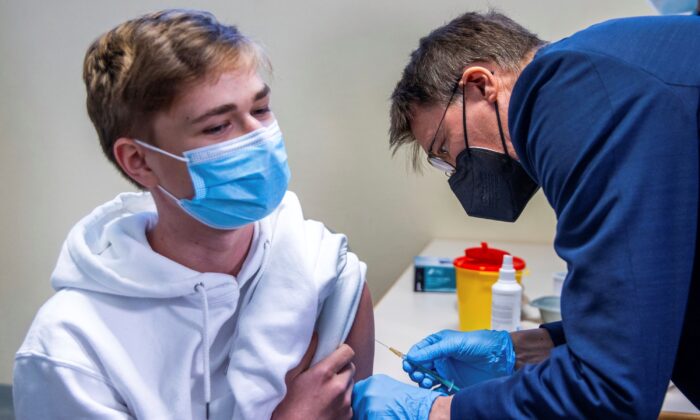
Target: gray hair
(438, 62)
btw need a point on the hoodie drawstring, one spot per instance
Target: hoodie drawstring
(199, 288)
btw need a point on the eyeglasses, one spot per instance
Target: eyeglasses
(440, 164)
(435, 159)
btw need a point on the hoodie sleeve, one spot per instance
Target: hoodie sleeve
(47, 389)
(339, 292)
(310, 282)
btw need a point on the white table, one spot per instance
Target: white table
(403, 317)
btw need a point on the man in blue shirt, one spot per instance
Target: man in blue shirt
(606, 123)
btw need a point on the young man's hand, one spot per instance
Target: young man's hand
(322, 391)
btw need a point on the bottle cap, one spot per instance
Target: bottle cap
(507, 272)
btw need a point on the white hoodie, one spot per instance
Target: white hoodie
(123, 335)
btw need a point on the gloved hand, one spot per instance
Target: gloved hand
(466, 358)
(379, 397)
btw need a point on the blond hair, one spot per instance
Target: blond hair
(139, 68)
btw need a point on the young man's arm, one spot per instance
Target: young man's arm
(361, 336)
(329, 397)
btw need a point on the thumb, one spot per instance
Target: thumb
(305, 361)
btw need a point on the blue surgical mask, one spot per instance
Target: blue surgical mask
(669, 7)
(236, 182)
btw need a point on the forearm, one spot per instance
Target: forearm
(531, 346)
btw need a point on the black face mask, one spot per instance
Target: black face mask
(489, 184)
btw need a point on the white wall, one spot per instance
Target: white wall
(336, 64)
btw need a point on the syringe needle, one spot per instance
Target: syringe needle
(391, 349)
(451, 388)
(382, 343)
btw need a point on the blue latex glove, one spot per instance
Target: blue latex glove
(379, 397)
(466, 358)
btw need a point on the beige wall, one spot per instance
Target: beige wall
(336, 63)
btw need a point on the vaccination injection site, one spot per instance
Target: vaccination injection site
(334, 210)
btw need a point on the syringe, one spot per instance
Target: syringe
(449, 385)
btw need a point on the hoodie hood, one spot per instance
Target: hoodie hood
(108, 252)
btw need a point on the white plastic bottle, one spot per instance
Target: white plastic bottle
(506, 296)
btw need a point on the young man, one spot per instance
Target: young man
(209, 296)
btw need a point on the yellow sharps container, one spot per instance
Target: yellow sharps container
(475, 273)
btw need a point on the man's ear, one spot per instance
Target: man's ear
(483, 79)
(132, 159)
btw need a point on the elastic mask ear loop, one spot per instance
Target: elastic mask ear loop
(464, 118)
(167, 193)
(166, 153)
(161, 151)
(500, 130)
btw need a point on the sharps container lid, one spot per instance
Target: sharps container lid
(485, 259)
